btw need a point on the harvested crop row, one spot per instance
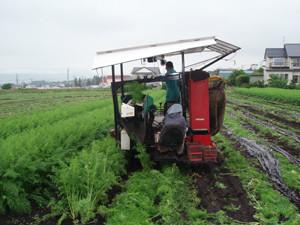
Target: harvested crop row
(282, 127)
(289, 173)
(28, 159)
(17, 124)
(272, 105)
(286, 139)
(276, 94)
(283, 120)
(271, 207)
(84, 182)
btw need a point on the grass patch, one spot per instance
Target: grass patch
(276, 94)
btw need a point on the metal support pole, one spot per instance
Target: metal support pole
(183, 91)
(214, 61)
(115, 101)
(122, 79)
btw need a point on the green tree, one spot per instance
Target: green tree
(258, 83)
(6, 86)
(232, 78)
(292, 85)
(242, 80)
(259, 71)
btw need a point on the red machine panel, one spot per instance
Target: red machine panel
(199, 109)
(199, 104)
(200, 147)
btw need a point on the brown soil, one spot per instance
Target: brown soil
(29, 219)
(283, 145)
(222, 191)
(273, 139)
(268, 166)
(269, 115)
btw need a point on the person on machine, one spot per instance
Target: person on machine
(173, 93)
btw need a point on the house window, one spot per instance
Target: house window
(296, 79)
(296, 62)
(279, 61)
(284, 76)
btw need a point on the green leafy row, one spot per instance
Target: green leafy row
(276, 94)
(17, 124)
(19, 101)
(28, 159)
(83, 183)
(154, 197)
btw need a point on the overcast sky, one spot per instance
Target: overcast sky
(40, 39)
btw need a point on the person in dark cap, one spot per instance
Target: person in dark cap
(173, 92)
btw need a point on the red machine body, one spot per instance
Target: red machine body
(200, 146)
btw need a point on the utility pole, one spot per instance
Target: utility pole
(283, 40)
(17, 79)
(68, 73)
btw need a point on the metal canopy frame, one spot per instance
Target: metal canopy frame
(188, 46)
(181, 47)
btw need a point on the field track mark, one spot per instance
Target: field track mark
(288, 151)
(268, 163)
(255, 110)
(291, 157)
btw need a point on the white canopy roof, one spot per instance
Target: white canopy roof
(117, 56)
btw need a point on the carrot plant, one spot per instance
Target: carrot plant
(19, 101)
(17, 124)
(84, 182)
(28, 159)
(154, 197)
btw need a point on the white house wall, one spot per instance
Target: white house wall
(268, 71)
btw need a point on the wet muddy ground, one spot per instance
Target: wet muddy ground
(251, 122)
(268, 163)
(223, 191)
(257, 110)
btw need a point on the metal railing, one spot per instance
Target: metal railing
(279, 64)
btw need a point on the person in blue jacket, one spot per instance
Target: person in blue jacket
(173, 92)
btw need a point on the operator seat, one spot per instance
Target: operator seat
(173, 130)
